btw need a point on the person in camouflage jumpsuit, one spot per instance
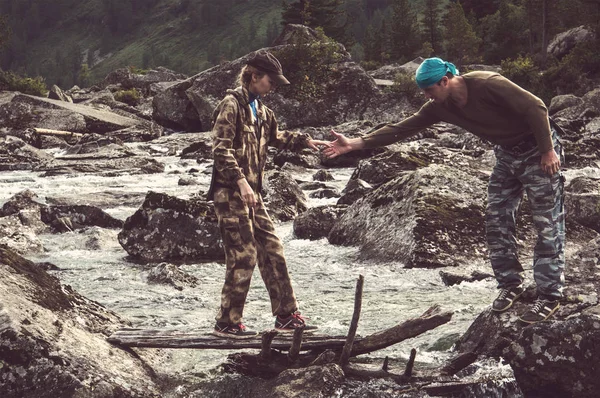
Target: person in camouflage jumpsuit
(528, 154)
(243, 129)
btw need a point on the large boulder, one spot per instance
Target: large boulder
(316, 223)
(144, 81)
(53, 341)
(189, 104)
(564, 42)
(16, 154)
(430, 217)
(284, 199)
(558, 359)
(71, 217)
(582, 202)
(20, 115)
(166, 228)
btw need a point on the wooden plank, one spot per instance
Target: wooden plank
(200, 339)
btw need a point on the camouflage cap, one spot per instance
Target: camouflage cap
(266, 62)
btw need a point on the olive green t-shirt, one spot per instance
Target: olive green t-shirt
(497, 110)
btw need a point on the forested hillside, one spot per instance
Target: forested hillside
(78, 42)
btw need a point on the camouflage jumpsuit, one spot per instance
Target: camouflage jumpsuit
(513, 174)
(240, 151)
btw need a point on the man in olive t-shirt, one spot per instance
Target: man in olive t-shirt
(528, 160)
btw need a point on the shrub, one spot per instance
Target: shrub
(523, 72)
(405, 85)
(574, 72)
(130, 97)
(10, 81)
(308, 65)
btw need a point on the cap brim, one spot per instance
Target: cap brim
(279, 79)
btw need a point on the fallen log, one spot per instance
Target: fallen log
(200, 339)
(58, 133)
(431, 319)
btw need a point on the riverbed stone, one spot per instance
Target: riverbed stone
(54, 344)
(316, 223)
(166, 228)
(431, 217)
(284, 198)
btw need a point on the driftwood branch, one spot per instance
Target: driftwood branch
(458, 363)
(354, 323)
(267, 339)
(58, 133)
(410, 364)
(431, 319)
(296, 344)
(386, 364)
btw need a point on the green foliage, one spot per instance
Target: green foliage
(10, 81)
(330, 15)
(130, 97)
(84, 76)
(404, 31)
(137, 71)
(405, 85)
(523, 72)
(308, 65)
(462, 44)
(504, 33)
(431, 24)
(573, 73)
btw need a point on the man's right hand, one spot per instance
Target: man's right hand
(342, 145)
(247, 193)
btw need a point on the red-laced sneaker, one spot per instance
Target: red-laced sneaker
(235, 331)
(292, 322)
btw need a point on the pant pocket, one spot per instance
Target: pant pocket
(230, 231)
(235, 231)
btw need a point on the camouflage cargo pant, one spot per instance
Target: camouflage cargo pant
(249, 238)
(514, 174)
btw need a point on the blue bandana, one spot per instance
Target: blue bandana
(432, 70)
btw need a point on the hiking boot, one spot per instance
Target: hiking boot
(540, 311)
(506, 298)
(233, 331)
(292, 322)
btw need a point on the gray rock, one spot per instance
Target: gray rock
(556, 359)
(325, 193)
(166, 228)
(561, 102)
(313, 381)
(582, 202)
(170, 274)
(65, 218)
(564, 42)
(316, 223)
(431, 217)
(354, 190)
(54, 340)
(15, 154)
(56, 93)
(323, 175)
(306, 158)
(284, 199)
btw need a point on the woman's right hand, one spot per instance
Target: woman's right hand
(247, 193)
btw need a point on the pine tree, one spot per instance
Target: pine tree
(404, 31)
(329, 15)
(431, 23)
(462, 44)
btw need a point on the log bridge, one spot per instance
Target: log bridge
(318, 349)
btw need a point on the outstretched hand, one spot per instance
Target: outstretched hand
(315, 144)
(339, 146)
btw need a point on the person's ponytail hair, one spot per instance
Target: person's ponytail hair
(246, 75)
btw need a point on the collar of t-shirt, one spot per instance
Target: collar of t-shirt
(252, 99)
